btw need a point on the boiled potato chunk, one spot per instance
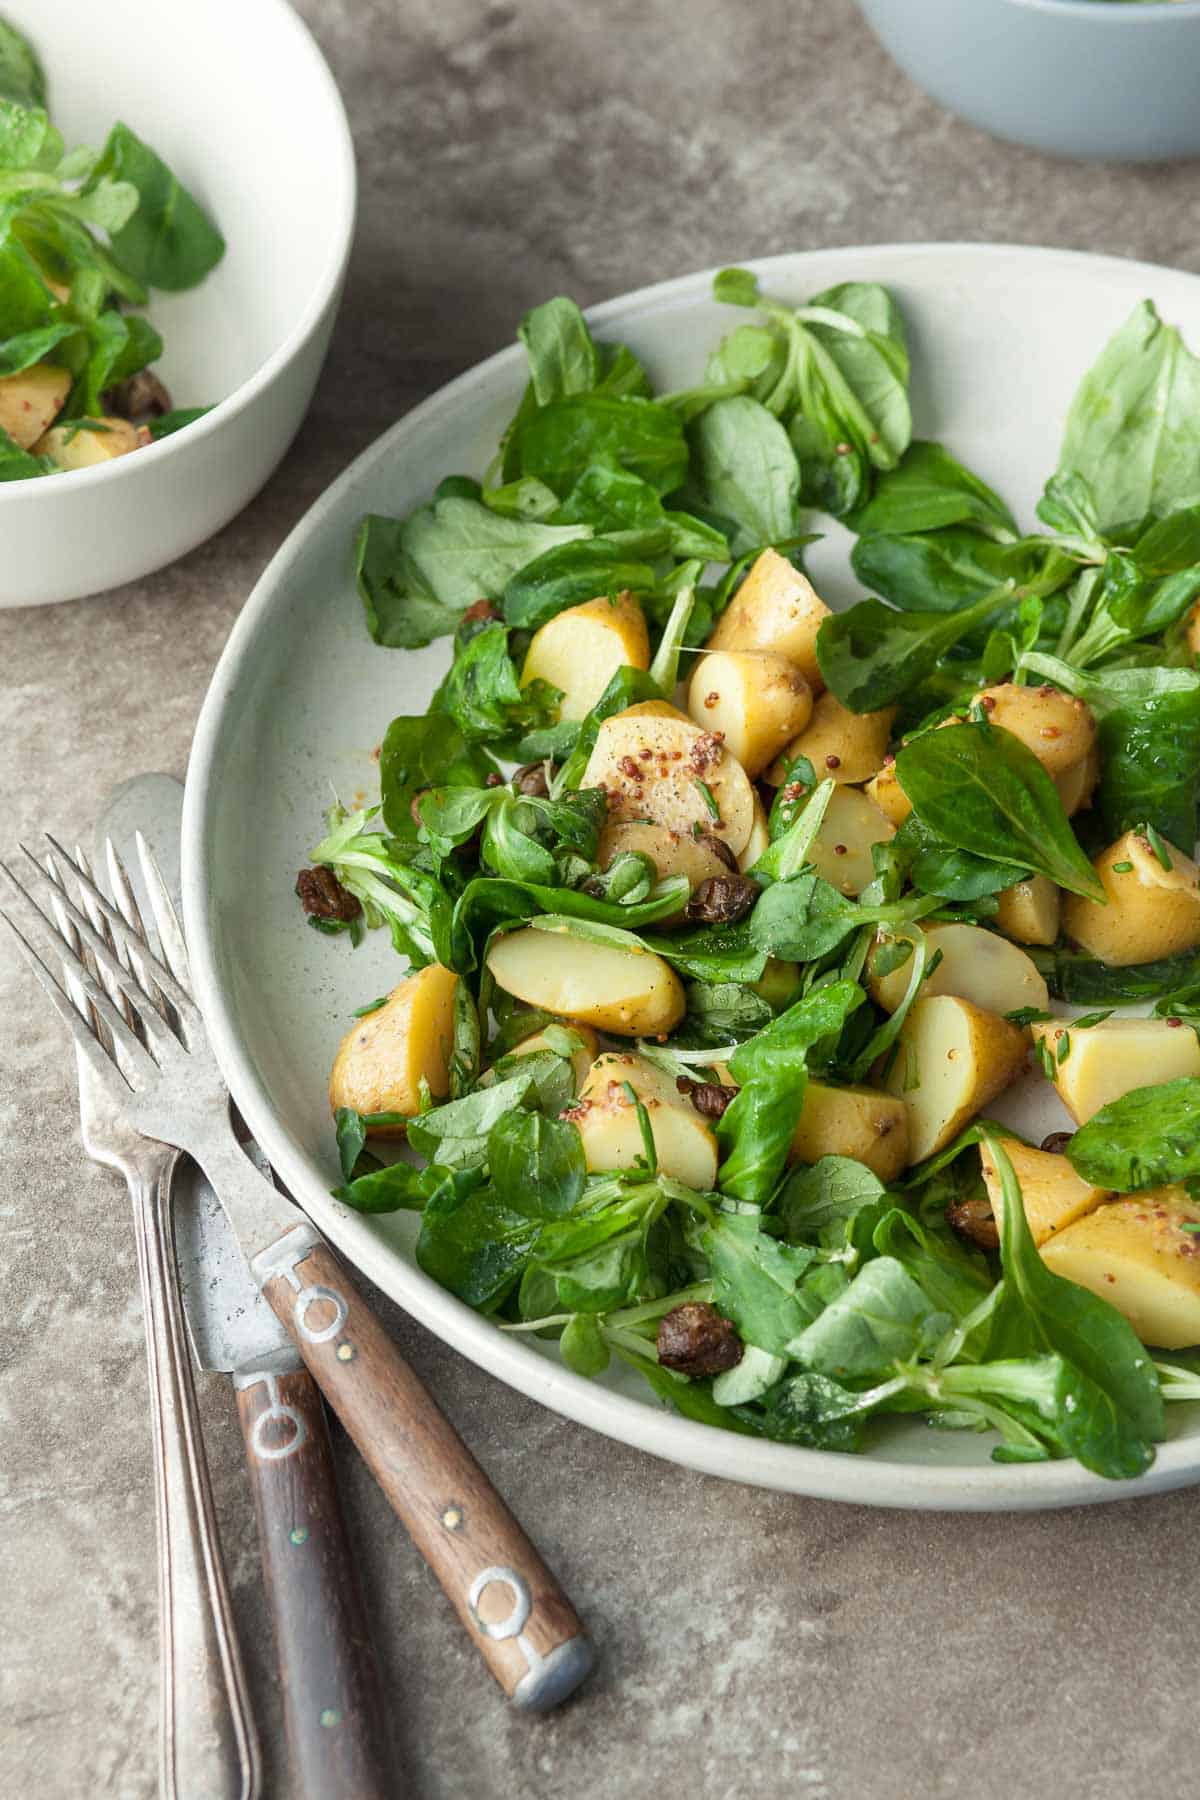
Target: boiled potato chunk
(608, 1122)
(1077, 784)
(885, 790)
(1137, 1254)
(778, 983)
(978, 965)
(581, 1059)
(841, 850)
(671, 852)
(853, 1121)
(1057, 727)
(657, 765)
(631, 993)
(581, 649)
(755, 699)
(79, 447)
(1052, 1194)
(1102, 1062)
(31, 401)
(847, 746)
(1152, 911)
(777, 609)
(1030, 911)
(385, 1056)
(759, 839)
(953, 1059)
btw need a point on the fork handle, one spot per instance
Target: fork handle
(208, 1747)
(331, 1701)
(513, 1608)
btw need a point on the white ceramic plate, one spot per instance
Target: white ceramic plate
(999, 338)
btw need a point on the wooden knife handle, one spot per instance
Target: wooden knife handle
(331, 1696)
(521, 1621)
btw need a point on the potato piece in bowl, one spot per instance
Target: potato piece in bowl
(847, 746)
(656, 764)
(671, 852)
(976, 964)
(861, 1122)
(384, 1057)
(1057, 727)
(1153, 910)
(756, 700)
(1138, 1254)
(76, 446)
(776, 608)
(581, 649)
(31, 401)
(1077, 784)
(581, 1059)
(758, 841)
(631, 993)
(1102, 1062)
(953, 1059)
(885, 790)
(1029, 911)
(1052, 1194)
(608, 1122)
(841, 850)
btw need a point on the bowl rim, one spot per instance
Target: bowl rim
(1113, 13)
(828, 1475)
(340, 238)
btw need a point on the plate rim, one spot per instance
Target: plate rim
(793, 1469)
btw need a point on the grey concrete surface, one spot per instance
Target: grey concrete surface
(750, 1644)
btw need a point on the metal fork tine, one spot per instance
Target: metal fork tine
(92, 963)
(138, 1056)
(102, 1066)
(144, 1004)
(170, 931)
(125, 900)
(178, 995)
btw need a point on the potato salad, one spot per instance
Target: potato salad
(730, 920)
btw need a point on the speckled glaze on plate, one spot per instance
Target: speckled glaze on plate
(999, 335)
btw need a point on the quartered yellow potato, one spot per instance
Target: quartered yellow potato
(608, 1122)
(671, 852)
(1053, 1195)
(759, 839)
(384, 1057)
(1102, 1062)
(853, 1121)
(31, 401)
(983, 968)
(1137, 1254)
(1152, 911)
(80, 447)
(1029, 912)
(776, 608)
(657, 764)
(1077, 784)
(841, 850)
(581, 1059)
(891, 799)
(631, 993)
(1058, 728)
(840, 744)
(777, 983)
(953, 1059)
(755, 699)
(581, 649)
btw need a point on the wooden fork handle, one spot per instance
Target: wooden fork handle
(519, 1618)
(331, 1699)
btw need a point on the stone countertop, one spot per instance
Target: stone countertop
(750, 1644)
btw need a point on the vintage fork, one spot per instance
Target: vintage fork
(208, 1748)
(170, 1087)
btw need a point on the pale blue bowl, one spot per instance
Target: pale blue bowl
(1104, 80)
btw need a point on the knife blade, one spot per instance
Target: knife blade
(332, 1704)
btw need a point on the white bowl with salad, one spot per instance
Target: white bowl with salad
(797, 1055)
(177, 198)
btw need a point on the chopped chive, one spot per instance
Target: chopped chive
(1087, 1020)
(714, 811)
(644, 1126)
(1046, 1059)
(1064, 1047)
(371, 1006)
(1027, 1015)
(1159, 847)
(1122, 868)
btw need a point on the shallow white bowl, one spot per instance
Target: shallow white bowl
(1000, 337)
(239, 100)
